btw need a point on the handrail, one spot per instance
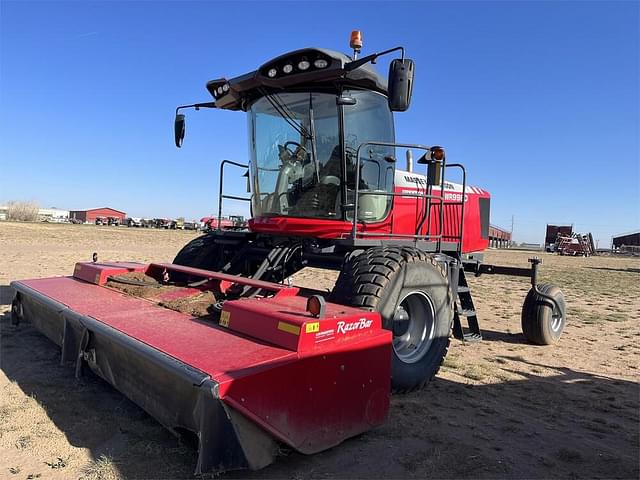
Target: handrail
(220, 194)
(462, 202)
(439, 199)
(354, 228)
(430, 200)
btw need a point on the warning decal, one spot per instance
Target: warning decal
(224, 318)
(312, 327)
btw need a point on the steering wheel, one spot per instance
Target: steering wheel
(286, 154)
(351, 152)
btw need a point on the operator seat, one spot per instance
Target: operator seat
(321, 200)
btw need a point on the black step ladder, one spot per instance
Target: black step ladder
(464, 308)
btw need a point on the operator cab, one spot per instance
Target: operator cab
(298, 162)
(311, 113)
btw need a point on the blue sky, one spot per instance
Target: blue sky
(540, 100)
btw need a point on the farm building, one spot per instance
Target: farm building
(499, 237)
(90, 215)
(53, 214)
(629, 240)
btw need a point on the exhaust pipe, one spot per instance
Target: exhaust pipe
(409, 161)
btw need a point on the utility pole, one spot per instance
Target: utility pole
(512, 221)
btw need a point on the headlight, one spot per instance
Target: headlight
(272, 72)
(288, 68)
(225, 87)
(219, 90)
(320, 63)
(303, 65)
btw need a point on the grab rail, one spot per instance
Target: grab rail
(230, 197)
(430, 199)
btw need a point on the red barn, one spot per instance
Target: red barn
(499, 237)
(90, 215)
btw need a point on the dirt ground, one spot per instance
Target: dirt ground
(498, 409)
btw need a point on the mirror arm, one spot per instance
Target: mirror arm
(370, 58)
(197, 106)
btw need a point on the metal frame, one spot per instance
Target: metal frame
(356, 237)
(230, 197)
(429, 199)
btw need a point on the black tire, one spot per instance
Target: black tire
(202, 252)
(17, 312)
(393, 280)
(540, 323)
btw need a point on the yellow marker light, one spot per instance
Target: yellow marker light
(356, 40)
(316, 306)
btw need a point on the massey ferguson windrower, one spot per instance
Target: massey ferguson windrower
(219, 345)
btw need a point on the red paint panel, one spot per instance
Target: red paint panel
(318, 401)
(313, 227)
(98, 273)
(200, 344)
(407, 209)
(334, 388)
(401, 221)
(285, 322)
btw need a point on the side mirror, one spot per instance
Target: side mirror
(178, 128)
(400, 84)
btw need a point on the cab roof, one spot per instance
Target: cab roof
(239, 92)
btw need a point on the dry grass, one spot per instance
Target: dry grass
(103, 468)
(22, 211)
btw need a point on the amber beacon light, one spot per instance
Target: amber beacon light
(356, 42)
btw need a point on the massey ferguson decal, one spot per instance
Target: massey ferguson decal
(409, 182)
(416, 180)
(422, 181)
(344, 327)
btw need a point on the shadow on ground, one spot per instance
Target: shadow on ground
(569, 425)
(6, 294)
(628, 269)
(506, 337)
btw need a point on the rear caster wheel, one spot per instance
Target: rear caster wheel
(543, 324)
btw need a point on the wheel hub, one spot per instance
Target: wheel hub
(413, 327)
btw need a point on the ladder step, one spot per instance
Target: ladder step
(465, 312)
(463, 290)
(472, 337)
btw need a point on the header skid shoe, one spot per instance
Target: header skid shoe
(267, 371)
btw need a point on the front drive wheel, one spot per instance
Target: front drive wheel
(411, 292)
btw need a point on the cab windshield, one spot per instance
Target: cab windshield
(297, 166)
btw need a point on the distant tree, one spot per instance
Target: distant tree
(22, 211)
